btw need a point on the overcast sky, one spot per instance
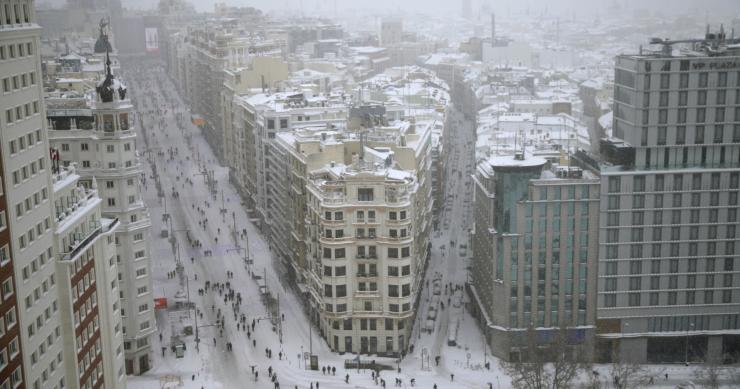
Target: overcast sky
(715, 9)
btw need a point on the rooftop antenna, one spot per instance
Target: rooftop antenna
(362, 145)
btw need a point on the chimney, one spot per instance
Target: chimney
(493, 29)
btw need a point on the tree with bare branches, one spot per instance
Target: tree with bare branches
(628, 375)
(709, 374)
(546, 366)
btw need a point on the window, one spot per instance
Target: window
(614, 184)
(365, 194)
(703, 79)
(680, 135)
(718, 133)
(610, 300)
(7, 288)
(123, 118)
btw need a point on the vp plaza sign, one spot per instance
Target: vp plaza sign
(719, 65)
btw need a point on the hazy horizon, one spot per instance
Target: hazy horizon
(704, 8)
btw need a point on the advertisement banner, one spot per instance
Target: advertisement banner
(152, 39)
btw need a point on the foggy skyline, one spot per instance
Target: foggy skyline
(709, 8)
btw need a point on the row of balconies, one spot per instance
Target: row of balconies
(376, 237)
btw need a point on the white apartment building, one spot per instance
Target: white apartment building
(255, 122)
(87, 274)
(669, 273)
(107, 153)
(28, 192)
(359, 212)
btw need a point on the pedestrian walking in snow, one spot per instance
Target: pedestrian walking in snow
(346, 379)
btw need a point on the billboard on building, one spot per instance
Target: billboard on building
(152, 39)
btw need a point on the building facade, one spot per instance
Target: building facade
(534, 252)
(669, 273)
(12, 372)
(59, 247)
(28, 190)
(360, 213)
(86, 268)
(106, 152)
(257, 119)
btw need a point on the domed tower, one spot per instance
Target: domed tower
(116, 166)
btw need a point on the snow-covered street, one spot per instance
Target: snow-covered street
(256, 349)
(213, 366)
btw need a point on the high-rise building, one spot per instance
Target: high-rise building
(57, 262)
(87, 278)
(25, 162)
(12, 373)
(669, 273)
(106, 151)
(493, 29)
(534, 252)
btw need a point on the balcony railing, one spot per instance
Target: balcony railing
(78, 246)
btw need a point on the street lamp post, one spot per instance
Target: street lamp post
(246, 255)
(195, 314)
